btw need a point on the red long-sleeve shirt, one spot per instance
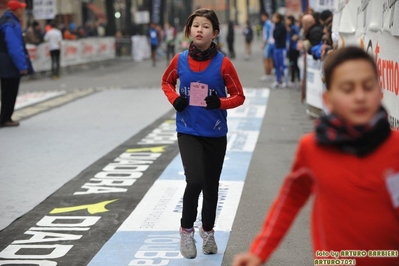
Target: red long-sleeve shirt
(352, 209)
(228, 72)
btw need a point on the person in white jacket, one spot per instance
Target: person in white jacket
(54, 38)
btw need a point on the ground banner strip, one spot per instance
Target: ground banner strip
(149, 236)
(31, 98)
(72, 225)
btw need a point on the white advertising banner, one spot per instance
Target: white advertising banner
(377, 31)
(320, 5)
(44, 9)
(141, 49)
(314, 84)
(73, 52)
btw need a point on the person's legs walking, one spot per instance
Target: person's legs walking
(267, 62)
(281, 69)
(154, 54)
(294, 69)
(215, 150)
(191, 152)
(57, 62)
(9, 92)
(53, 63)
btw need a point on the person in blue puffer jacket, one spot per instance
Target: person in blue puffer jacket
(14, 60)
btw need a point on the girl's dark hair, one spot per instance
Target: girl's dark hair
(343, 55)
(279, 17)
(291, 19)
(202, 12)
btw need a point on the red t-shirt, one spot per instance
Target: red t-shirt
(353, 207)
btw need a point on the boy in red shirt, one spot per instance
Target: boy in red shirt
(351, 166)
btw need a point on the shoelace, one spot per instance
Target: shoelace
(187, 238)
(209, 238)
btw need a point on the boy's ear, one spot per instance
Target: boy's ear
(215, 34)
(327, 100)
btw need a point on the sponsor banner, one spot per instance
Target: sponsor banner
(73, 52)
(140, 48)
(155, 248)
(320, 5)
(374, 26)
(31, 98)
(44, 9)
(89, 208)
(150, 235)
(161, 208)
(294, 7)
(314, 84)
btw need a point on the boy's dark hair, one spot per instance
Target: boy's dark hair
(279, 17)
(291, 19)
(202, 12)
(342, 55)
(325, 14)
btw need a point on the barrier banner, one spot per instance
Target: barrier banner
(141, 48)
(374, 26)
(314, 84)
(73, 52)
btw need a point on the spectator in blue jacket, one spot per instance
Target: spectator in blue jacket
(154, 42)
(14, 60)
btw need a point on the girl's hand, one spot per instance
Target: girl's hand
(246, 259)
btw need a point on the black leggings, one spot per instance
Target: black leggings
(202, 160)
(55, 62)
(293, 56)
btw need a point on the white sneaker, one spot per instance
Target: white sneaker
(187, 244)
(209, 245)
(275, 85)
(266, 77)
(290, 84)
(284, 85)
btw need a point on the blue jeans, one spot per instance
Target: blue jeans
(278, 56)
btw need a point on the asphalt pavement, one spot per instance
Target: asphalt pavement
(94, 113)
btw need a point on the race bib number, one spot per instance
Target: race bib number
(198, 93)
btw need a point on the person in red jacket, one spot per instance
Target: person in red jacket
(351, 166)
(209, 85)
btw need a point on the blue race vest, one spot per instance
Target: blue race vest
(197, 120)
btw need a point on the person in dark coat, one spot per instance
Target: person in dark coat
(230, 39)
(14, 60)
(249, 36)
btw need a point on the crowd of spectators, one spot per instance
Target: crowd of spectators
(35, 32)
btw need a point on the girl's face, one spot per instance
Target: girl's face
(354, 94)
(275, 19)
(202, 33)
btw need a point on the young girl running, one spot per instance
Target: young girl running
(209, 85)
